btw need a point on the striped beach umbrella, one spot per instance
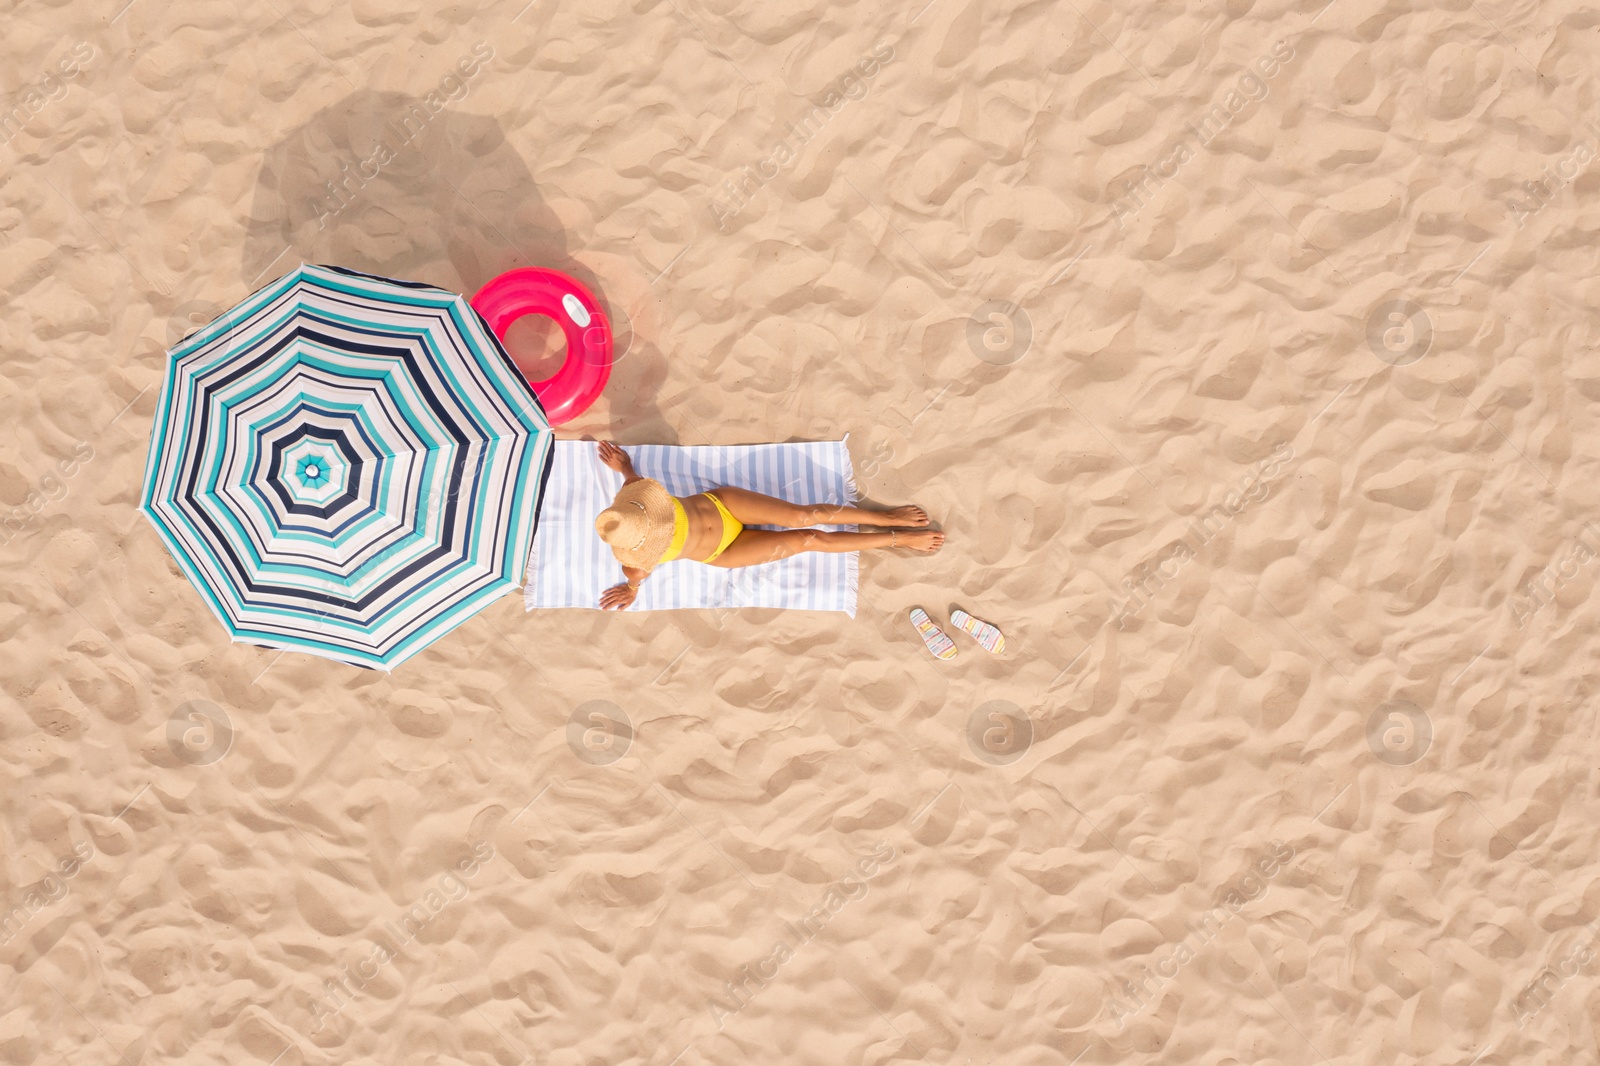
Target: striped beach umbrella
(347, 465)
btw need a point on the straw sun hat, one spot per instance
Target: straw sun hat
(638, 524)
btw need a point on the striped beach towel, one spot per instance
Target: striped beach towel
(570, 565)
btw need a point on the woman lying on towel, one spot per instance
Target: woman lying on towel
(646, 526)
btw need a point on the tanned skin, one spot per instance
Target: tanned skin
(898, 527)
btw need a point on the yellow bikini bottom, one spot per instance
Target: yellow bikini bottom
(731, 528)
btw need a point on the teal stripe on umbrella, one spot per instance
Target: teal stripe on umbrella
(347, 465)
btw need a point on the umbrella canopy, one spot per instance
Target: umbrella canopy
(347, 465)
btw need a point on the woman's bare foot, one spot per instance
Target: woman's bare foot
(926, 541)
(909, 515)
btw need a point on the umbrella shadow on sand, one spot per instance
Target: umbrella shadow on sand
(380, 183)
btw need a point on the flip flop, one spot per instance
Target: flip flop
(940, 645)
(987, 636)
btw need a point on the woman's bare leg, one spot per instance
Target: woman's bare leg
(755, 546)
(757, 509)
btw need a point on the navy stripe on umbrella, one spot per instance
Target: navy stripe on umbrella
(347, 465)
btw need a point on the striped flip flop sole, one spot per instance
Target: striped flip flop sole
(989, 637)
(940, 645)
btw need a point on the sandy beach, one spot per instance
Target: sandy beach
(1239, 350)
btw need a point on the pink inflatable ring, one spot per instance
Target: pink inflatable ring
(536, 291)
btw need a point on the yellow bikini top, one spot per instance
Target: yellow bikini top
(680, 531)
